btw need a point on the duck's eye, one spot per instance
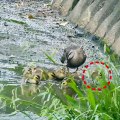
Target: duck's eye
(100, 74)
(34, 68)
(29, 69)
(37, 77)
(64, 83)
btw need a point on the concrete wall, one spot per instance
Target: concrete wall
(100, 17)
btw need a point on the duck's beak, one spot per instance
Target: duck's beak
(63, 58)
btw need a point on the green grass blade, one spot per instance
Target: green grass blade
(49, 57)
(91, 98)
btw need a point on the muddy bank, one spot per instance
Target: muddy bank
(99, 17)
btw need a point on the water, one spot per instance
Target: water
(22, 42)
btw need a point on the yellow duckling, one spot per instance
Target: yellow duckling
(65, 85)
(96, 76)
(27, 73)
(67, 89)
(32, 75)
(36, 74)
(59, 74)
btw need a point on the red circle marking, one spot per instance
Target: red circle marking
(91, 63)
(86, 66)
(107, 66)
(84, 71)
(85, 82)
(93, 88)
(88, 86)
(99, 89)
(96, 63)
(110, 71)
(105, 87)
(83, 77)
(110, 77)
(102, 63)
(108, 82)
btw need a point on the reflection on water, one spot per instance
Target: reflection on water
(24, 98)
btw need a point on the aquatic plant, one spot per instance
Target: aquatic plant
(52, 104)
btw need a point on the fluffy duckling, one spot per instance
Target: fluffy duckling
(65, 85)
(59, 74)
(96, 75)
(33, 75)
(27, 73)
(36, 74)
(67, 89)
(74, 55)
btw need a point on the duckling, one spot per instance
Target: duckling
(36, 74)
(32, 75)
(59, 74)
(96, 75)
(73, 78)
(74, 55)
(67, 89)
(34, 80)
(27, 73)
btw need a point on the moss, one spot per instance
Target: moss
(74, 4)
(102, 42)
(108, 50)
(114, 57)
(3, 37)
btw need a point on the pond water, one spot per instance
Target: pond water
(22, 42)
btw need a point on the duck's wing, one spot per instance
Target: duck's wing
(67, 51)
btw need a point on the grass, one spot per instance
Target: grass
(88, 105)
(15, 21)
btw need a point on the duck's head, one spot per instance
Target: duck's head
(70, 80)
(34, 80)
(96, 74)
(59, 74)
(27, 73)
(32, 75)
(66, 87)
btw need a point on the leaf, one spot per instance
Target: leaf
(15, 21)
(49, 57)
(26, 115)
(30, 16)
(91, 98)
(73, 85)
